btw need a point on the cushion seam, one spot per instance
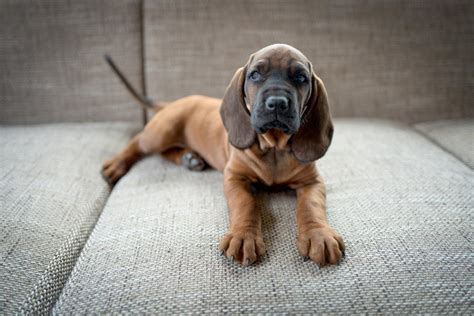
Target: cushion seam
(439, 145)
(47, 290)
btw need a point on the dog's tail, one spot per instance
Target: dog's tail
(145, 102)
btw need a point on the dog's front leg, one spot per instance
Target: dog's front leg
(316, 238)
(244, 241)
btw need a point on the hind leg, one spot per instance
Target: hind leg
(113, 169)
(157, 137)
(118, 166)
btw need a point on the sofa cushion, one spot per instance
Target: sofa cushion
(403, 205)
(51, 65)
(404, 60)
(456, 136)
(51, 194)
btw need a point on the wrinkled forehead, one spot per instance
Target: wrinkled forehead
(281, 57)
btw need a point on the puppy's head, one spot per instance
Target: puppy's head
(277, 89)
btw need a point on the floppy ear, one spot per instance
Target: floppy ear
(234, 112)
(314, 136)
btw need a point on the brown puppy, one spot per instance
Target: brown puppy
(271, 126)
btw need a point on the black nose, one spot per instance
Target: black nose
(276, 102)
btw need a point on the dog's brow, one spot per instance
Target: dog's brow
(299, 67)
(261, 65)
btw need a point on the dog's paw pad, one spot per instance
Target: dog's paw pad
(193, 161)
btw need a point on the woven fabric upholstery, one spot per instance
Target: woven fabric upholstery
(406, 60)
(51, 65)
(456, 136)
(51, 194)
(403, 205)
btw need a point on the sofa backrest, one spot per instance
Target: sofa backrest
(406, 60)
(51, 66)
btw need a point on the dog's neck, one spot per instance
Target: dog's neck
(274, 138)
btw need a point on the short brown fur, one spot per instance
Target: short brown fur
(231, 146)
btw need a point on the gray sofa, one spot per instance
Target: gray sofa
(399, 172)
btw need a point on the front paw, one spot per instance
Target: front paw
(323, 245)
(244, 246)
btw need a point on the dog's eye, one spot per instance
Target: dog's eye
(255, 76)
(301, 79)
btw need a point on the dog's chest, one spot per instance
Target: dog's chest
(277, 167)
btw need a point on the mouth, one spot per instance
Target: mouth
(276, 124)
